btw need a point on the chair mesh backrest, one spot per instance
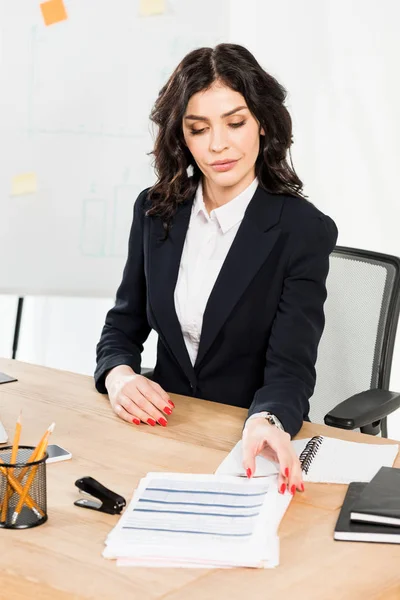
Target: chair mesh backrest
(356, 313)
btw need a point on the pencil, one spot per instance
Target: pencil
(34, 454)
(41, 449)
(32, 458)
(13, 481)
(14, 454)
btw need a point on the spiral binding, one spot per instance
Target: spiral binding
(308, 454)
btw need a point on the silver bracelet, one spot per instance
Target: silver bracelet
(272, 419)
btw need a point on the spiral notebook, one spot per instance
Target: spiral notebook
(323, 460)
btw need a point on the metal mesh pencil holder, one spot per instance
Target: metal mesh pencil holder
(22, 489)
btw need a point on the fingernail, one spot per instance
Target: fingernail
(293, 489)
(286, 472)
(168, 410)
(151, 422)
(171, 403)
(283, 488)
(162, 421)
(136, 421)
(302, 487)
(248, 473)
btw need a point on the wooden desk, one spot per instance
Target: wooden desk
(62, 558)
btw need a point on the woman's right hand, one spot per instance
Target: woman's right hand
(135, 398)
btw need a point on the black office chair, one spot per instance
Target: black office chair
(356, 349)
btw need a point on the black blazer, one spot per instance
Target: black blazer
(263, 320)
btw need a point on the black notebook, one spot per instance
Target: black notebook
(380, 500)
(353, 531)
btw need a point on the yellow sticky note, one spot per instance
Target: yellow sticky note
(151, 7)
(24, 184)
(53, 11)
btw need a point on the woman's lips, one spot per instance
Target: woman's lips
(225, 166)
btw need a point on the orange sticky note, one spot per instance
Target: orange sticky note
(53, 11)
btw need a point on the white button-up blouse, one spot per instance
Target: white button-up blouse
(208, 240)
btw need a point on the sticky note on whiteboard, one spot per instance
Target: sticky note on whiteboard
(151, 7)
(53, 11)
(26, 183)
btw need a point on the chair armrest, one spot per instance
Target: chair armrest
(147, 373)
(363, 409)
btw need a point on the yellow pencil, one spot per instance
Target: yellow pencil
(14, 454)
(17, 435)
(32, 458)
(41, 450)
(34, 454)
(13, 481)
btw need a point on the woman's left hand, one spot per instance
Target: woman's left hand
(261, 438)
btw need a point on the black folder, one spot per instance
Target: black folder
(353, 531)
(379, 502)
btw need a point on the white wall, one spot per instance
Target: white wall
(338, 61)
(60, 332)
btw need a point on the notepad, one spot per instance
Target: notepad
(187, 520)
(323, 460)
(379, 502)
(351, 531)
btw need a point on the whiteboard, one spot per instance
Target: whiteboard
(75, 101)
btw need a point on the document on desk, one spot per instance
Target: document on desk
(207, 521)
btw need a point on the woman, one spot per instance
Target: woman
(233, 251)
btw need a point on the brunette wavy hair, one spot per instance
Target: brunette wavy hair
(233, 66)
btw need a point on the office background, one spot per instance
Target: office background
(86, 138)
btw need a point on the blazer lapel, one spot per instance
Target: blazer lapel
(250, 249)
(164, 261)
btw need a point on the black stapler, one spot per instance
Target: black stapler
(107, 501)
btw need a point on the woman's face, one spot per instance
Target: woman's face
(218, 126)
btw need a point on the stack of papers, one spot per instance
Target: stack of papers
(185, 520)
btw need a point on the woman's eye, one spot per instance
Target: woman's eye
(233, 125)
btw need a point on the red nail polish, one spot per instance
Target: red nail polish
(171, 403)
(286, 472)
(162, 421)
(151, 422)
(283, 488)
(293, 489)
(248, 473)
(136, 421)
(302, 487)
(168, 410)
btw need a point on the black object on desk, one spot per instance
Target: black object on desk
(108, 501)
(353, 531)
(379, 502)
(4, 378)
